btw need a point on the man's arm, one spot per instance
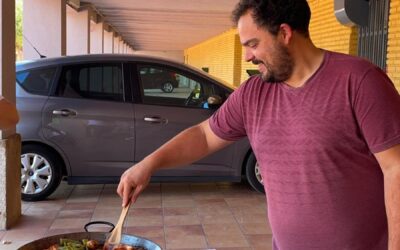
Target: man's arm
(188, 146)
(389, 160)
(8, 114)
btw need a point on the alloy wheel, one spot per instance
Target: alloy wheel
(36, 173)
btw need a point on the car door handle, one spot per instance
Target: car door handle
(155, 119)
(64, 112)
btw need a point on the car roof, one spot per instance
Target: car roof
(45, 62)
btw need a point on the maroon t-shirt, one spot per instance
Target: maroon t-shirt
(315, 147)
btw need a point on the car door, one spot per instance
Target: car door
(90, 121)
(161, 115)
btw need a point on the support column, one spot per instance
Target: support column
(116, 43)
(108, 40)
(78, 31)
(10, 142)
(96, 37)
(44, 27)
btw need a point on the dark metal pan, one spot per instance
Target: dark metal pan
(129, 240)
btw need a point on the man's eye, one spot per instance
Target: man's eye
(253, 45)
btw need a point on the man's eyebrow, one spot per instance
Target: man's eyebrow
(250, 41)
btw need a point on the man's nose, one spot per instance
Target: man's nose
(248, 56)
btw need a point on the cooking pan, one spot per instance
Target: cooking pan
(126, 239)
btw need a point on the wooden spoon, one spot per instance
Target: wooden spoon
(115, 237)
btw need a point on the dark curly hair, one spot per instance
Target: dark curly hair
(270, 14)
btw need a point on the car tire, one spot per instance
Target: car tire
(253, 174)
(167, 87)
(40, 172)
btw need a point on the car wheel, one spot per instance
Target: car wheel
(253, 174)
(167, 87)
(40, 174)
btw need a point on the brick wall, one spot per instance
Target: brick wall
(220, 55)
(393, 57)
(223, 54)
(326, 32)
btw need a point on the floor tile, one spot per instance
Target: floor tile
(256, 228)
(199, 216)
(181, 220)
(260, 240)
(146, 231)
(153, 220)
(185, 237)
(24, 234)
(224, 235)
(69, 223)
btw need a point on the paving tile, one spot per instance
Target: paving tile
(262, 241)
(146, 231)
(175, 211)
(13, 245)
(202, 216)
(69, 223)
(107, 214)
(33, 223)
(185, 237)
(84, 195)
(144, 212)
(80, 206)
(24, 234)
(81, 214)
(225, 235)
(181, 220)
(52, 232)
(215, 218)
(41, 213)
(178, 203)
(256, 228)
(153, 220)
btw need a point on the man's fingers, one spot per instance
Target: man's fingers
(136, 193)
(126, 194)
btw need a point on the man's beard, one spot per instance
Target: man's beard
(281, 68)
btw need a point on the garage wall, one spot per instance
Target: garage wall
(221, 55)
(326, 32)
(393, 58)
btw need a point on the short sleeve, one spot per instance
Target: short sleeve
(377, 109)
(227, 122)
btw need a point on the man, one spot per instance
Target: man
(324, 126)
(8, 114)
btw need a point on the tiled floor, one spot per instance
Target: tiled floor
(175, 215)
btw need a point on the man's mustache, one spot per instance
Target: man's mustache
(256, 62)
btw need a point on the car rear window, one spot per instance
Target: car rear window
(36, 81)
(92, 81)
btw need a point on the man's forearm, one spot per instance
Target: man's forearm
(188, 146)
(392, 201)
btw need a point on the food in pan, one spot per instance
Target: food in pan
(86, 244)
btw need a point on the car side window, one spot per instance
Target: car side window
(36, 81)
(92, 81)
(164, 86)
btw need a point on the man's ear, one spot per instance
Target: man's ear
(285, 33)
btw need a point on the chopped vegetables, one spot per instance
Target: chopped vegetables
(68, 244)
(86, 244)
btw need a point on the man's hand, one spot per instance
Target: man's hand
(133, 182)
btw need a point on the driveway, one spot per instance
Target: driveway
(174, 215)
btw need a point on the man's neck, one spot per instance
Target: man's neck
(308, 59)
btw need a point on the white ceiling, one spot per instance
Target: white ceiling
(165, 25)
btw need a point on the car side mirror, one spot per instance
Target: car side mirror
(214, 101)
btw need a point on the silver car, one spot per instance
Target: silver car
(89, 118)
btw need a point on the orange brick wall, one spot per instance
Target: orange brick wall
(393, 57)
